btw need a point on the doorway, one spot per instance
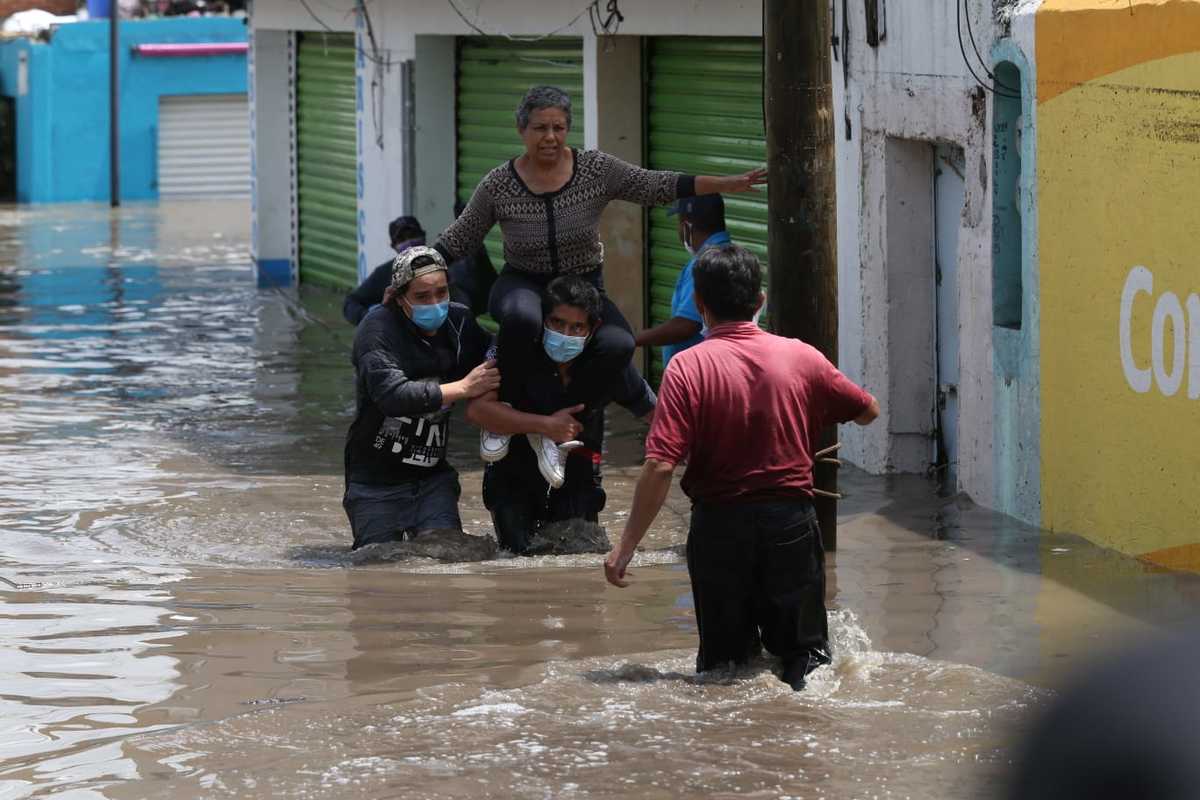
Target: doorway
(925, 192)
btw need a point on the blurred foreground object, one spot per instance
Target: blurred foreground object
(1128, 727)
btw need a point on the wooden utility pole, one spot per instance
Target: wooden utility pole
(114, 103)
(802, 227)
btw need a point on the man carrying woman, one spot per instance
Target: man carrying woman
(526, 485)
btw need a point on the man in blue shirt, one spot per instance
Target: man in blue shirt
(701, 226)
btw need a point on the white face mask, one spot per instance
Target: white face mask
(686, 239)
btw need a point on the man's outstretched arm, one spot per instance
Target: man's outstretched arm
(648, 498)
(676, 330)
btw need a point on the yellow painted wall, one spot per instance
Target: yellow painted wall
(1118, 153)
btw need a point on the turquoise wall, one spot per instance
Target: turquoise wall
(1016, 355)
(62, 119)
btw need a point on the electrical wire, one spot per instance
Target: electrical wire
(962, 49)
(360, 7)
(313, 14)
(380, 64)
(527, 39)
(971, 33)
(374, 57)
(601, 28)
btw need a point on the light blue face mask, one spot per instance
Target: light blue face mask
(560, 347)
(430, 317)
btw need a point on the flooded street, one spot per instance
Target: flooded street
(181, 617)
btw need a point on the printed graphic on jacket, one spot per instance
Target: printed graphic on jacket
(419, 441)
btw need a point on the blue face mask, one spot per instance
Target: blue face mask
(560, 347)
(430, 317)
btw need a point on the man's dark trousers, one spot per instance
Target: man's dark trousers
(521, 501)
(758, 570)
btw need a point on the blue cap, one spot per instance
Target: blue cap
(705, 211)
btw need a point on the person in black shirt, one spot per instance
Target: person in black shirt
(415, 355)
(471, 277)
(544, 437)
(403, 233)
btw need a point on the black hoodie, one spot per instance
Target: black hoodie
(400, 430)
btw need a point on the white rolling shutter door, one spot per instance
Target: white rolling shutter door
(204, 146)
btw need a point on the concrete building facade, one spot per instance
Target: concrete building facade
(1016, 260)
(406, 78)
(915, 147)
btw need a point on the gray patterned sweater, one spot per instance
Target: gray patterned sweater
(557, 233)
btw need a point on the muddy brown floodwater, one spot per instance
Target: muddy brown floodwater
(180, 617)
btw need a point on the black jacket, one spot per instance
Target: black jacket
(368, 293)
(537, 388)
(400, 430)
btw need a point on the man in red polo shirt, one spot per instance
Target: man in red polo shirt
(744, 410)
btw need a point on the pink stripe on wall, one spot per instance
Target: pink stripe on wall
(191, 49)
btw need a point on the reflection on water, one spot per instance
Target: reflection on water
(181, 615)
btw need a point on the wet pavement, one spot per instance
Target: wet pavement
(181, 616)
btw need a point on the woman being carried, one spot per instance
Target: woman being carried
(548, 203)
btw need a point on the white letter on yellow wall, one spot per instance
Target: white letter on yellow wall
(1193, 310)
(1140, 280)
(1168, 306)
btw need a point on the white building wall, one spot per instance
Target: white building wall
(436, 136)
(914, 85)
(269, 80)
(382, 162)
(271, 65)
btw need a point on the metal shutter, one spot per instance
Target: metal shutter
(493, 76)
(326, 160)
(203, 146)
(704, 117)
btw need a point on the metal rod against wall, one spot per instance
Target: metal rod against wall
(114, 122)
(802, 215)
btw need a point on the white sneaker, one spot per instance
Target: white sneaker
(493, 446)
(551, 457)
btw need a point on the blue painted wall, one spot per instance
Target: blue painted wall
(62, 119)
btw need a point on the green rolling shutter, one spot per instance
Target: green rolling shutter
(704, 117)
(327, 159)
(493, 76)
